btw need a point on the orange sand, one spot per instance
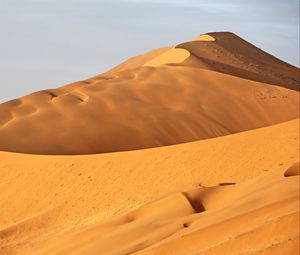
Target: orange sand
(48, 197)
(228, 184)
(182, 94)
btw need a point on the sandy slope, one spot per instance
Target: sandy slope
(235, 193)
(222, 52)
(57, 204)
(193, 91)
(227, 219)
(232, 55)
(137, 61)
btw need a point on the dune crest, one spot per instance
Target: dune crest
(171, 56)
(205, 37)
(193, 149)
(232, 55)
(138, 61)
(168, 96)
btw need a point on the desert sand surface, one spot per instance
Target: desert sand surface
(196, 90)
(228, 193)
(188, 149)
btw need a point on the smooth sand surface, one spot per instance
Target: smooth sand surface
(198, 153)
(172, 56)
(161, 104)
(139, 60)
(119, 203)
(205, 37)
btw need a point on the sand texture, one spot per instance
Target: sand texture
(119, 203)
(186, 93)
(186, 150)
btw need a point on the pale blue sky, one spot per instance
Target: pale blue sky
(48, 43)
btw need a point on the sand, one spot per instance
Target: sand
(188, 153)
(163, 102)
(67, 198)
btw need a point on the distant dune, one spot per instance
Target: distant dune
(194, 150)
(196, 90)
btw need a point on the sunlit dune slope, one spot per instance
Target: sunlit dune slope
(48, 196)
(154, 201)
(222, 52)
(227, 184)
(137, 61)
(162, 98)
(226, 219)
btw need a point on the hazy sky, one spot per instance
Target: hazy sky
(47, 43)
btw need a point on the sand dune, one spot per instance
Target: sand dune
(232, 55)
(225, 219)
(200, 155)
(156, 105)
(138, 61)
(226, 53)
(60, 202)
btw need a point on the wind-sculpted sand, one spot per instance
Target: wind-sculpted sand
(198, 153)
(199, 196)
(156, 104)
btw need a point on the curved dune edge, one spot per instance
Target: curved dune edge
(230, 54)
(225, 52)
(205, 37)
(47, 198)
(137, 61)
(294, 170)
(171, 56)
(168, 96)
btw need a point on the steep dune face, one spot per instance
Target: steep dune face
(230, 54)
(138, 60)
(174, 55)
(162, 98)
(228, 195)
(222, 52)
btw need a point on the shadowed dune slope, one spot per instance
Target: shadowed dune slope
(235, 194)
(194, 91)
(232, 55)
(222, 52)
